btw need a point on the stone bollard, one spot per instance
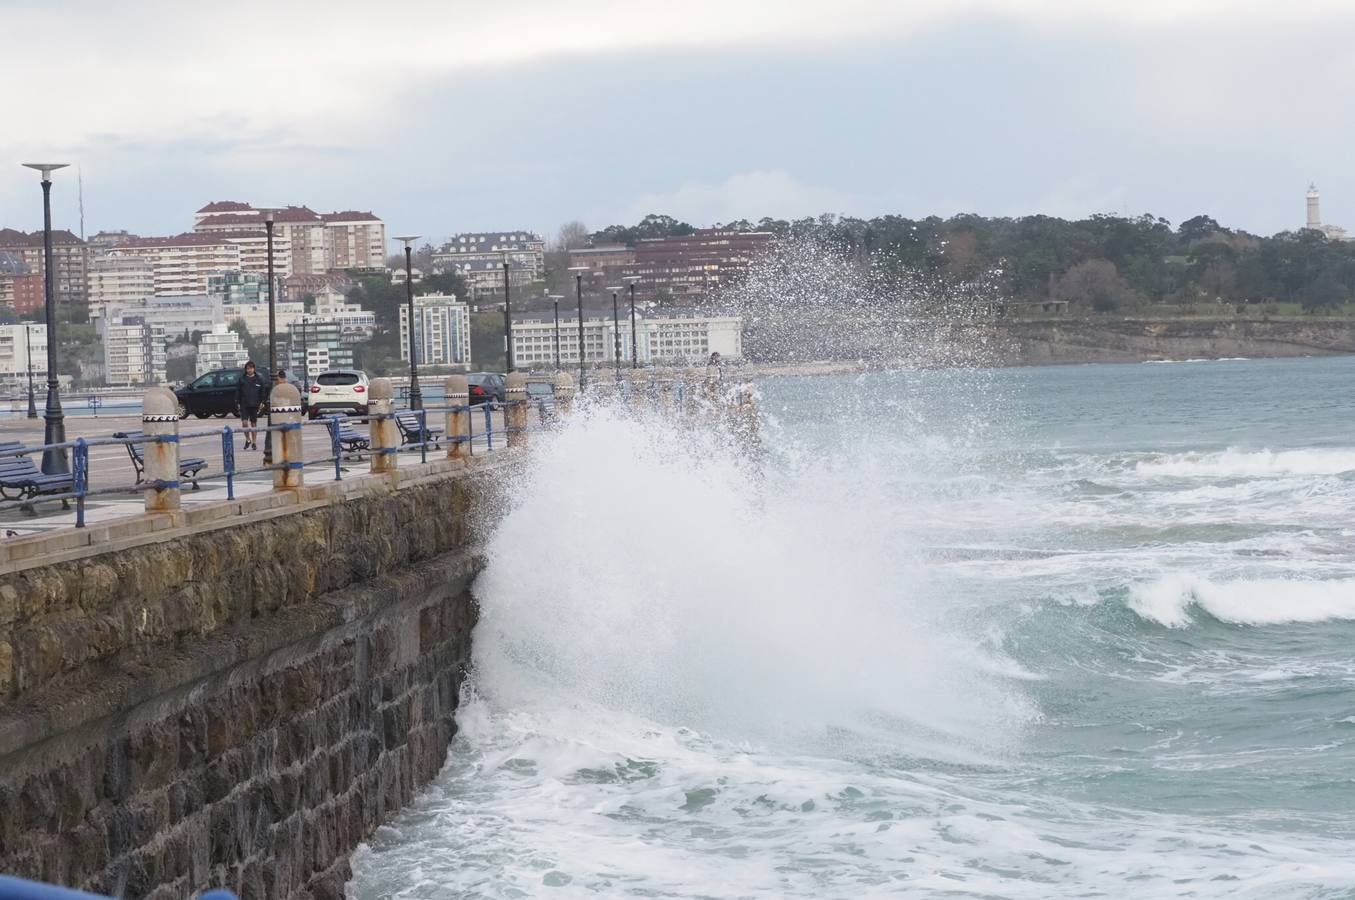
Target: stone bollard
(383, 432)
(285, 403)
(458, 416)
(744, 422)
(160, 416)
(639, 389)
(564, 393)
(515, 412)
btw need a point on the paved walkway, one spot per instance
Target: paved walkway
(111, 466)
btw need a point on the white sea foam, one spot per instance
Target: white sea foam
(1263, 601)
(1254, 463)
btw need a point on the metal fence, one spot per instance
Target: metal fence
(12, 888)
(23, 484)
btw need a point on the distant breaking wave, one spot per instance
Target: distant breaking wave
(1264, 601)
(1241, 464)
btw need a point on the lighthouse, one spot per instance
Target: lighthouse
(1314, 214)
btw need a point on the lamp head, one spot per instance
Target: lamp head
(614, 288)
(46, 169)
(630, 279)
(407, 239)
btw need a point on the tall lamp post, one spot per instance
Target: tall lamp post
(634, 353)
(616, 331)
(507, 317)
(305, 362)
(415, 395)
(578, 293)
(28, 355)
(54, 462)
(555, 301)
(268, 214)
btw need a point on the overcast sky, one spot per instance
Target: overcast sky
(445, 115)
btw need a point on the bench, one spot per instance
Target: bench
(408, 423)
(21, 479)
(352, 442)
(189, 466)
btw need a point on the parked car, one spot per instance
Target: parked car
(345, 390)
(486, 387)
(213, 394)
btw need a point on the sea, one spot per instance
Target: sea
(1050, 632)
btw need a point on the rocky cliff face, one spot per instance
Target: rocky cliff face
(238, 707)
(1135, 340)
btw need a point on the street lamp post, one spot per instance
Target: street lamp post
(415, 394)
(54, 462)
(268, 214)
(634, 353)
(305, 361)
(507, 317)
(578, 293)
(555, 301)
(28, 355)
(616, 332)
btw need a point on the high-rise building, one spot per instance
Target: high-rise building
(70, 258)
(131, 355)
(182, 264)
(692, 266)
(305, 242)
(28, 293)
(119, 279)
(441, 330)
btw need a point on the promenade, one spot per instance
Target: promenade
(111, 465)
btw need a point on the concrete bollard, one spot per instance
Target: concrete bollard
(285, 403)
(564, 393)
(639, 389)
(383, 432)
(458, 417)
(160, 416)
(515, 413)
(744, 422)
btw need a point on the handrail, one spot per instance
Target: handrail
(12, 888)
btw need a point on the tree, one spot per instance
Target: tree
(1097, 283)
(246, 339)
(572, 235)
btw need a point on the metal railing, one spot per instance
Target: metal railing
(23, 486)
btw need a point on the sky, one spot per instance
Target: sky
(443, 116)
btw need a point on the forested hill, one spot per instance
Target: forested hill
(1105, 262)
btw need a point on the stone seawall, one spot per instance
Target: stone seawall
(237, 705)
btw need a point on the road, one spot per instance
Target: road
(110, 466)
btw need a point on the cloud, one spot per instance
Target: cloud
(747, 195)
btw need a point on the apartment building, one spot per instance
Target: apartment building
(314, 242)
(441, 330)
(220, 349)
(28, 293)
(23, 345)
(660, 339)
(255, 316)
(314, 345)
(181, 264)
(70, 259)
(480, 256)
(131, 355)
(119, 279)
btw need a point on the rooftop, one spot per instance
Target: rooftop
(217, 206)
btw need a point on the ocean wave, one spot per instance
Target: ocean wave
(1249, 463)
(1263, 601)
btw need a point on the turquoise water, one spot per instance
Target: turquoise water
(1049, 632)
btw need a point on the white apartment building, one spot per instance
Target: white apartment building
(255, 316)
(354, 240)
(690, 340)
(661, 340)
(131, 353)
(221, 349)
(181, 264)
(441, 330)
(119, 279)
(534, 338)
(18, 345)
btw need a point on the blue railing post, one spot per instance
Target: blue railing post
(332, 422)
(80, 482)
(489, 424)
(228, 460)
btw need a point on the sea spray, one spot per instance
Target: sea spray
(645, 570)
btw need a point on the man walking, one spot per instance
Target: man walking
(249, 396)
